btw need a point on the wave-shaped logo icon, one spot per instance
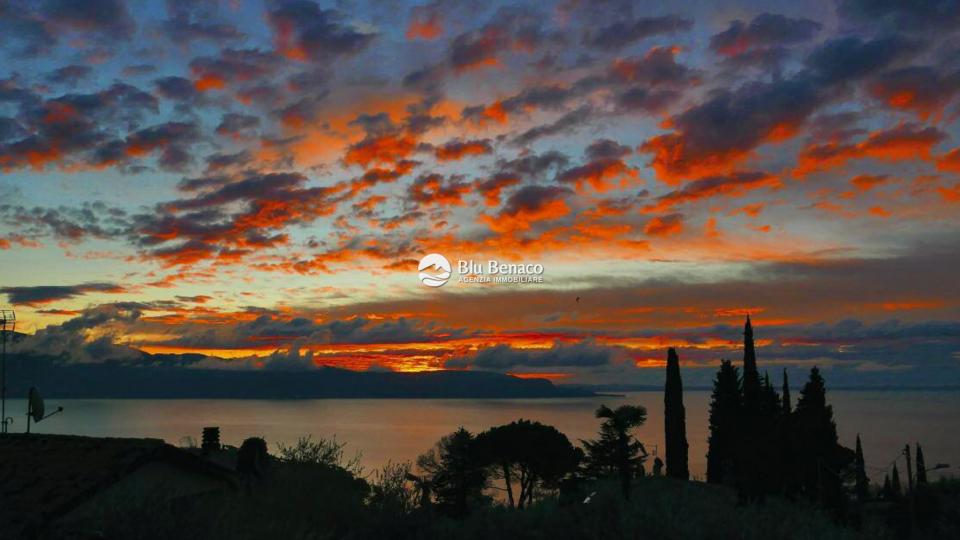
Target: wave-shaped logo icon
(434, 270)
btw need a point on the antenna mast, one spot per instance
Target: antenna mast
(8, 323)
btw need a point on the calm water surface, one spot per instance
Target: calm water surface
(401, 429)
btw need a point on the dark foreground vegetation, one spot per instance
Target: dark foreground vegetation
(775, 471)
(311, 491)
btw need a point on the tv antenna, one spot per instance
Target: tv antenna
(36, 408)
(8, 323)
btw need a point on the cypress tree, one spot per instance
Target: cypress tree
(724, 412)
(819, 456)
(675, 423)
(921, 467)
(788, 461)
(770, 402)
(862, 485)
(751, 377)
(785, 398)
(886, 492)
(895, 482)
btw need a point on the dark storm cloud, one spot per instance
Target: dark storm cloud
(39, 26)
(68, 128)
(548, 97)
(108, 18)
(303, 30)
(89, 219)
(913, 15)
(249, 188)
(191, 20)
(734, 184)
(850, 58)
(276, 330)
(70, 75)
(304, 110)
(178, 89)
(765, 30)
(607, 149)
(623, 33)
(235, 124)
(535, 166)
(45, 294)
(929, 91)
(228, 218)
(70, 340)
(729, 124)
(583, 354)
(530, 199)
(510, 28)
(10, 129)
(642, 98)
(657, 67)
(721, 130)
(171, 141)
(567, 123)
(235, 65)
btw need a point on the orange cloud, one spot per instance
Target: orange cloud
(664, 225)
(424, 24)
(456, 150)
(950, 194)
(901, 143)
(866, 182)
(383, 149)
(602, 175)
(950, 162)
(209, 81)
(733, 185)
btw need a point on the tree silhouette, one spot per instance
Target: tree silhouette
(787, 453)
(617, 451)
(724, 412)
(455, 474)
(785, 397)
(921, 467)
(530, 454)
(252, 458)
(751, 377)
(862, 483)
(895, 490)
(758, 453)
(675, 422)
(820, 458)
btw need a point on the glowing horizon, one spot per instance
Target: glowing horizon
(259, 179)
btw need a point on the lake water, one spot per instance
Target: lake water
(401, 429)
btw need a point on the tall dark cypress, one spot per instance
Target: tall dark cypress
(751, 377)
(785, 398)
(724, 413)
(862, 484)
(819, 456)
(895, 490)
(921, 467)
(675, 422)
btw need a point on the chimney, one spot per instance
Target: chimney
(211, 439)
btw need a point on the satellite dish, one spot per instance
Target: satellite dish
(36, 409)
(36, 404)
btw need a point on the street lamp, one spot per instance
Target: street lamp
(8, 323)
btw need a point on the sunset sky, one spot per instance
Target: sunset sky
(256, 181)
